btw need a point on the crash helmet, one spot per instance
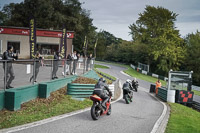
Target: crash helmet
(128, 81)
(102, 79)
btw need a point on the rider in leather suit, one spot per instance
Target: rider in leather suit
(127, 86)
(99, 91)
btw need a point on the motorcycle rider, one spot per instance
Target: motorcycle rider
(99, 91)
(127, 87)
(135, 84)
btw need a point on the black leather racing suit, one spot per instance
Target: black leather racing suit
(7, 55)
(126, 88)
(99, 91)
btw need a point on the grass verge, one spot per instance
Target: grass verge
(57, 104)
(100, 66)
(183, 120)
(130, 71)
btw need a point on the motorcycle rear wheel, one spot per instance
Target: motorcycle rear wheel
(127, 99)
(95, 112)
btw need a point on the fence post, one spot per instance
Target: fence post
(5, 75)
(64, 68)
(34, 65)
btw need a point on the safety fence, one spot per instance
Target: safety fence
(12, 99)
(26, 72)
(196, 105)
(149, 73)
(102, 74)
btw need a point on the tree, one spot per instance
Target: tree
(155, 28)
(51, 14)
(192, 62)
(105, 40)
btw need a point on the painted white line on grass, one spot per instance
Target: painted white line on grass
(103, 65)
(125, 73)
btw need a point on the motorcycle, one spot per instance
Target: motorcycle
(97, 109)
(135, 86)
(128, 96)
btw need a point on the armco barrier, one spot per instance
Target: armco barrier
(15, 97)
(196, 105)
(2, 99)
(80, 90)
(105, 76)
(46, 88)
(162, 93)
(149, 73)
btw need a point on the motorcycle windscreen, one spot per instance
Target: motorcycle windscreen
(95, 98)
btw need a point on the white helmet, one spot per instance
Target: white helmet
(128, 81)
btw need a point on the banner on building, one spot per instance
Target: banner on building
(32, 37)
(63, 47)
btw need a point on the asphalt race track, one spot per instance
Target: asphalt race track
(137, 117)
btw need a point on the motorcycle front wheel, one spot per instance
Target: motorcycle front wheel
(109, 110)
(95, 112)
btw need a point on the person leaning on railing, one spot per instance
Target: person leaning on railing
(55, 65)
(9, 56)
(88, 61)
(75, 59)
(38, 62)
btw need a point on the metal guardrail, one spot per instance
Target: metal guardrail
(25, 70)
(196, 105)
(105, 76)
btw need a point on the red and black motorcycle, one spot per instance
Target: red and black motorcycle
(97, 109)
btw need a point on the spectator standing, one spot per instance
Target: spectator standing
(38, 61)
(9, 56)
(55, 65)
(74, 58)
(88, 62)
(158, 84)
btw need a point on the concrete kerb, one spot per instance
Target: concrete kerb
(41, 122)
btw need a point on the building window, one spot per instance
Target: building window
(47, 49)
(16, 46)
(1, 52)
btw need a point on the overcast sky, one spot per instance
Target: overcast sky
(115, 16)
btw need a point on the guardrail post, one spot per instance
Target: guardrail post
(51, 73)
(64, 67)
(84, 59)
(34, 65)
(5, 75)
